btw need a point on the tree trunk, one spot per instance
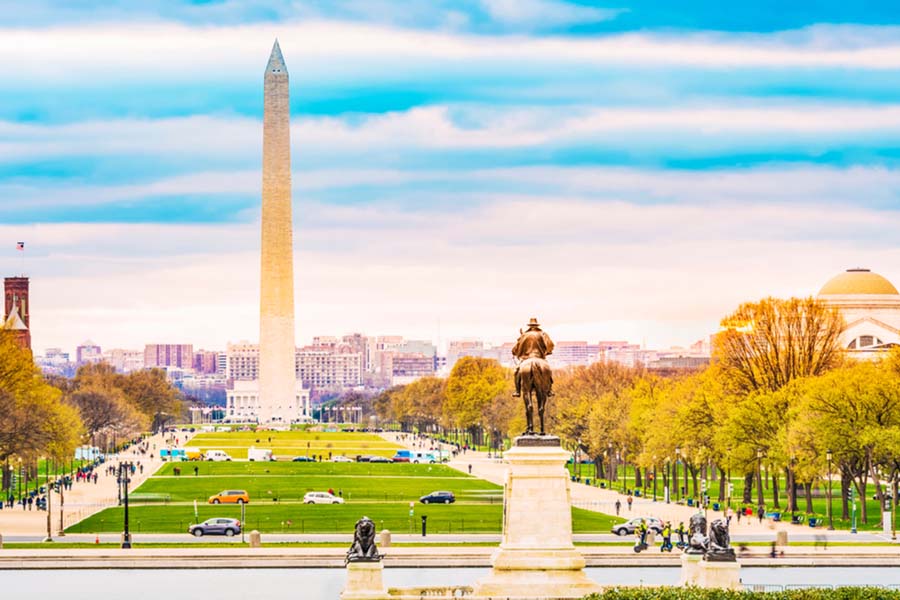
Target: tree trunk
(775, 502)
(694, 472)
(637, 477)
(760, 501)
(845, 494)
(807, 487)
(879, 495)
(723, 485)
(790, 489)
(748, 488)
(598, 467)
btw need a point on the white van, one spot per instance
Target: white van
(260, 454)
(217, 456)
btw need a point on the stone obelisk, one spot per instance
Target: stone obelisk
(277, 375)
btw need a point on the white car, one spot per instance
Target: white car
(342, 458)
(321, 498)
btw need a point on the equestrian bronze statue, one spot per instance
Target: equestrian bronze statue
(534, 378)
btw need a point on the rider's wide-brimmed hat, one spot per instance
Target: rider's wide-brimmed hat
(533, 322)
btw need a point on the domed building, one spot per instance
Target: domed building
(870, 305)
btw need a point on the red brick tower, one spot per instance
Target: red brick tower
(17, 311)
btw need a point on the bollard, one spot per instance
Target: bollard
(424, 526)
(385, 538)
(255, 539)
(781, 538)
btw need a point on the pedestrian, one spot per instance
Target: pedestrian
(761, 513)
(739, 512)
(680, 532)
(630, 500)
(196, 470)
(341, 492)
(331, 491)
(470, 469)
(618, 506)
(95, 478)
(728, 514)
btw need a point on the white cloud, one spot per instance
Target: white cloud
(127, 52)
(545, 14)
(685, 129)
(663, 272)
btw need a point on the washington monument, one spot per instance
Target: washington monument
(277, 375)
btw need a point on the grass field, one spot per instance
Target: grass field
(382, 492)
(288, 444)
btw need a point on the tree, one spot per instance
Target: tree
(151, 393)
(473, 385)
(33, 420)
(766, 344)
(106, 410)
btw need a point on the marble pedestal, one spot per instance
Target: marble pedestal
(720, 575)
(690, 569)
(536, 557)
(364, 582)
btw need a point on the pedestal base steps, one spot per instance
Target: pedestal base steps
(536, 557)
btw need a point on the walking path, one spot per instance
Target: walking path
(86, 498)
(604, 500)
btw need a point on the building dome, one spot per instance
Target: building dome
(857, 282)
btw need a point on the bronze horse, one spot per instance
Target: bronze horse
(536, 377)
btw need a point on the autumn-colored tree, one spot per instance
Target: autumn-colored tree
(473, 385)
(764, 345)
(33, 420)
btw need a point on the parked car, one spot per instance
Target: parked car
(380, 459)
(217, 456)
(438, 498)
(628, 527)
(303, 459)
(341, 459)
(260, 454)
(227, 527)
(321, 498)
(364, 458)
(230, 497)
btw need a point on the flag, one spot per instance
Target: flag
(20, 246)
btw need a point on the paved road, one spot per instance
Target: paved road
(488, 538)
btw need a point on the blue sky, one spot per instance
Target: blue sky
(655, 166)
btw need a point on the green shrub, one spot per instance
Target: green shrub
(689, 593)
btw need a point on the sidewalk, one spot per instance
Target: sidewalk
(85, 499)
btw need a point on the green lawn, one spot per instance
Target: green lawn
(302, 518)
(288, 482)
(288, 444)
(380, 491)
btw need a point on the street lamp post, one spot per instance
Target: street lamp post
(829, 456)
(759, 491)
(124, 479)
(624, 469)
(654, 479)
(49, 537)
(62, 502)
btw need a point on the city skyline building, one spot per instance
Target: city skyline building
(180, 356)
(17, 309)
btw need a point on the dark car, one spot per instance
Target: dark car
(380, 459)
(303, 459)
(628, 527)
(364, 458)
(227, 527)
(438, 498)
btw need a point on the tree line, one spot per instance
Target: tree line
(49, 417)
(780, 393)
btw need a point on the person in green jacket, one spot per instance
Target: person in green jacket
(667, 538)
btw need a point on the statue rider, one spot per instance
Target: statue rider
(533, 343)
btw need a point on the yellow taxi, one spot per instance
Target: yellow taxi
(230, 497)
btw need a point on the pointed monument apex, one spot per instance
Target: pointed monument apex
(276, 61)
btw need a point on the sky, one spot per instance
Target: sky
(620, 170)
